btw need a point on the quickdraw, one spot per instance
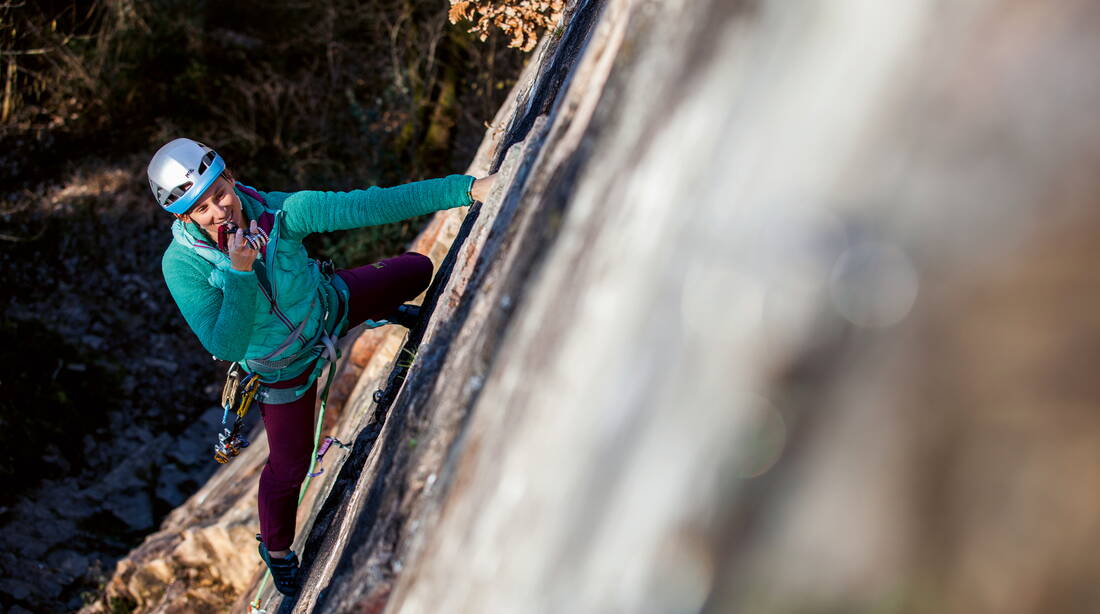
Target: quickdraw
(256, 241)
(328, 443)
(237, 393)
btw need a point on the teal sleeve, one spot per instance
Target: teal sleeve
(221, 317)
(314, 211)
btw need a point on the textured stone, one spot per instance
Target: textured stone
(193, 446)
(63, 499)
(170, 483)
(26, 544)
(9, 563)
(16, 589)
(149, 582)
(70, 564)
(134, 508)
(366, 345)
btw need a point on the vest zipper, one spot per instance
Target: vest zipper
(274, 306)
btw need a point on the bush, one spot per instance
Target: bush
(523, 21)
(294, 94)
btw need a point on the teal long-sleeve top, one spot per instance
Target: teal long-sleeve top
(241, 315)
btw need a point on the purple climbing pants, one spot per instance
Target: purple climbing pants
(376, 291)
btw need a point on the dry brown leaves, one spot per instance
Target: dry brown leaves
(522, 20)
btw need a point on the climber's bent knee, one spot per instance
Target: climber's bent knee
(377, 289)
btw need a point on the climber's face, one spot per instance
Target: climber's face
(217, 206)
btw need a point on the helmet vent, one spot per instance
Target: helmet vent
(177, 192)
(207, 160)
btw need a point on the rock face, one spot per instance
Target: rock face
(776, 307)
(204, 554)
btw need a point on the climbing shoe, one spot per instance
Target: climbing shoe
(284, 572)
(405, 315)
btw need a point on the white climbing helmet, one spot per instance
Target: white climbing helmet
(181, 171)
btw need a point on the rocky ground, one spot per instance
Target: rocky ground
(87, 309)
(61, 540)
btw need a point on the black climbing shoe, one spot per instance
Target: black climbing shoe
(284, 572)
(405, 315)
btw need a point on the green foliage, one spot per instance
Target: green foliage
(408, 357)
(295, 95)
(121, 605)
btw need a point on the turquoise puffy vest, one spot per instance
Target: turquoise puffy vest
(298, 306)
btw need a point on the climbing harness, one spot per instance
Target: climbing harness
(238, 394)
(320, 345)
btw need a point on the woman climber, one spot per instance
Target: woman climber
(243, 281)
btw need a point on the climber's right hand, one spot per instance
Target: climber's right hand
(481, 188)
(241, 254)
